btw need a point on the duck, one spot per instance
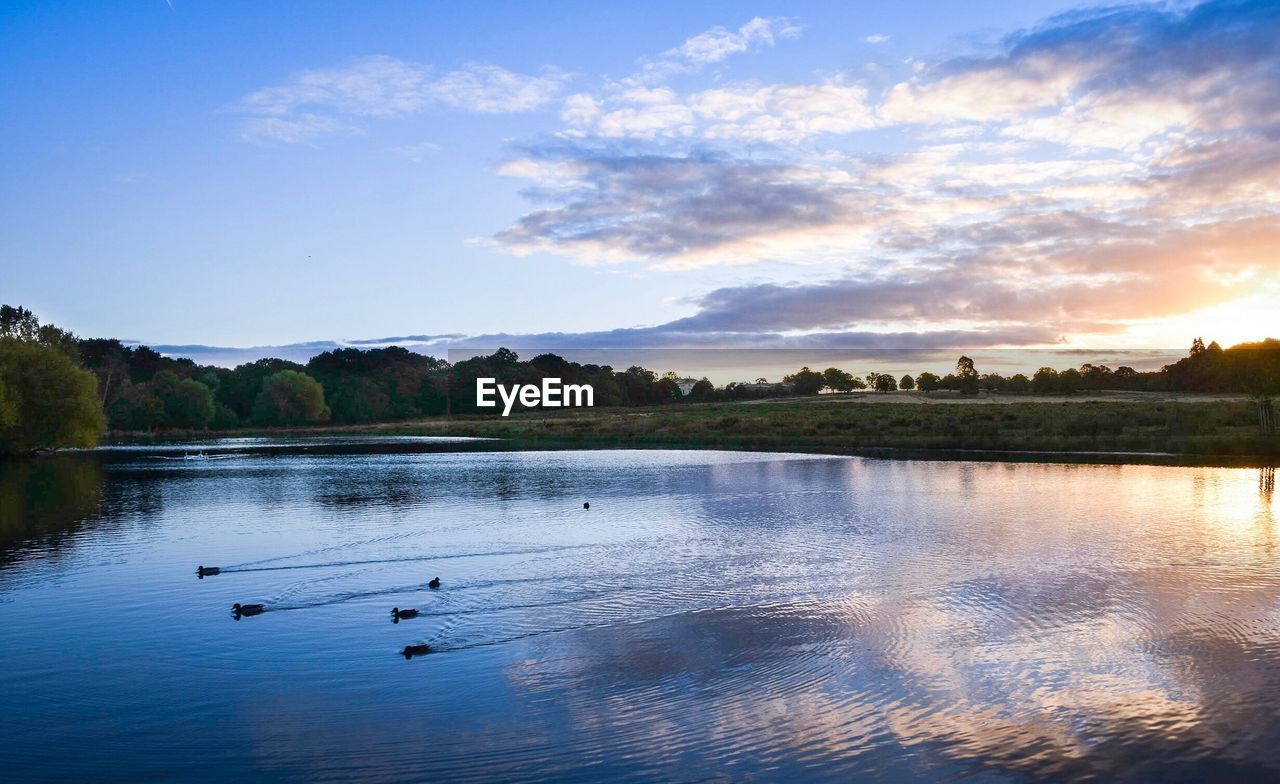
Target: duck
(207, 571)
(397, 614)
(415, 650)
(248, 609)
(586, 504)
(435, 583)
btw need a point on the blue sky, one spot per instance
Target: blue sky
(902, 175)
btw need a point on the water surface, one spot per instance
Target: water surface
(714, 615)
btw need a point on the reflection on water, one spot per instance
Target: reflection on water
(711, 615)
(44, 502)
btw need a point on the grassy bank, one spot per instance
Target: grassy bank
(1206, 428)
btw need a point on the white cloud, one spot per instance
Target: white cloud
(326, 101)
(718, 43)
(876, 38)
(769, 113)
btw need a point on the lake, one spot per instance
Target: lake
(712, 616)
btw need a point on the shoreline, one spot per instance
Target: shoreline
(1200, 430)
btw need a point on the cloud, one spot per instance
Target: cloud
(607, 205)
(712, 47)
(876, 38)
(716, 44)
(1111, 78)
(744, 112)
(331, 100)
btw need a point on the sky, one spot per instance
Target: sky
(907, 175)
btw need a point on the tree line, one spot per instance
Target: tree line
(58, 390)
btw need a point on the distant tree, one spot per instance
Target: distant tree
(187, 403)
(885, 383)
(290, 398)
(927, 382)
(761, 380)
(1197, 347)
(837, 380)
(1070, 381)
(806, 381)
(1096, 376)
(1018, 383)
(1045, 381)
(136, 409)
(702, 390)
(907, 382)
(432, 400)
(968, 376)
(223, 417)
(503, 357)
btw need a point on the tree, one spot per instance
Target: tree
(22, 325)
(187, 403)
(1070, 381)
(240, 387)
(805, 380)
(223, 417)
(907, 382)
(290, 398)
(702, 390)
(885, 383)
(1045, 381)
(927, 382)
(968, 376)
(137, 408)
(1197, 347)
(49, 400)
(837, 380)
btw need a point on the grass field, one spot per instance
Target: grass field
(1201, 426)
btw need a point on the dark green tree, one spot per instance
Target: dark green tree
(967, 375)
(805, 381)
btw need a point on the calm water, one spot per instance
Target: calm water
(714, 615)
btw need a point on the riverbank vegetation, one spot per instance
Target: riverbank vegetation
(57, 390)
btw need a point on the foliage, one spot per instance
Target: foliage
(805, 381)
(290, 398)
(49, 400)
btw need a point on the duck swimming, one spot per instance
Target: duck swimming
(435, 583)
(415, 650)
(397, 614)
(586, 504)
(206, 571)
(248, 609)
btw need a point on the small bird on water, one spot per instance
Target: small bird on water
(586, 504)
(435, 583)
(206, 571)
(397, 614)
(415, 650)
(247, 609)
